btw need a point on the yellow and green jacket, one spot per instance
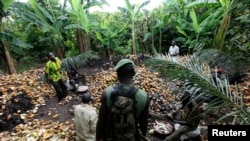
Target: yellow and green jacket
(53, 70)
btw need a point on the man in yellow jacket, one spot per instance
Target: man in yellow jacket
(54, 76)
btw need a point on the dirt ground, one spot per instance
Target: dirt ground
(53, 108)
(64, 112)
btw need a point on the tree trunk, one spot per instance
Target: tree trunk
(160, 41)
(9, 61)
(154, 51)
(133, 38)
(58, 50)
(143, 31)
(109, 55)
(80, 40)
(86, 41)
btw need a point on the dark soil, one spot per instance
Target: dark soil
(65, 112)
(52, 107)
(19, 104)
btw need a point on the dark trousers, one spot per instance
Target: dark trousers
(61, 89)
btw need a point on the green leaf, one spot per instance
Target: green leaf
(129, 6)
(180, 30)
(12, 40)
(99, 36)
(145, 3)
(200, 3)
(6, 4)
(195, 21)
(81, 16)
(73, 26)
(37, 10)
(146, 36)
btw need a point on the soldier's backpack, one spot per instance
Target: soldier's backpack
(122, 113)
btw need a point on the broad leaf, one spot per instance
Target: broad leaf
(12, 40)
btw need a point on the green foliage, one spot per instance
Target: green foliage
(4, 5)
(197, 23)
(26, 63)
(108, 35)
(48, 21)
(44, 25)
(240, 21)
(79, 14)
(11, 39)
(133, 13)
(39, 39)
(220, 35)
(124, 50)
(72, 53)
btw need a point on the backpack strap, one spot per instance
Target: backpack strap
(119, 91)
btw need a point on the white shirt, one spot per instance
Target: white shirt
(85, 118)
(173, 50)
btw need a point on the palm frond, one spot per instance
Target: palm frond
(198, 80)
(216, 58)
(78, 61)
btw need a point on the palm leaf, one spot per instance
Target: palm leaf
(145, 3)
(216, 58)
(78, 61)
(94, 3)
(197, 80)
(200, 3)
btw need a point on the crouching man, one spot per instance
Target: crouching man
(186, 119)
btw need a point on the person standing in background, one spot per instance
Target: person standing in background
(173, 50)
(53, 75)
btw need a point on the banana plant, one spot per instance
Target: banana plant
(109, 34)
(134, 12)
(197, 79)
(80, 21)
(219, 38)
(7, 38)
(158, 20)
(46, 19)
(195, 26)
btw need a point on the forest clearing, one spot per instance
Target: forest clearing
(210, 35)
(30, 111)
